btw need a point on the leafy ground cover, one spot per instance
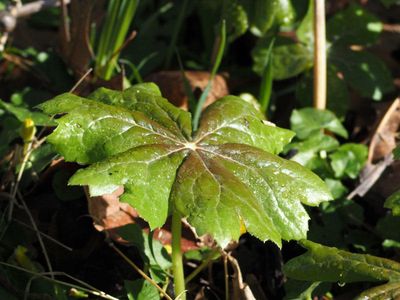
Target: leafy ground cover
(182, 149)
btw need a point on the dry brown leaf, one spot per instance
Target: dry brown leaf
(172, 86)
(382, 143)
(241, 291)
(109, 214)
(74, 36)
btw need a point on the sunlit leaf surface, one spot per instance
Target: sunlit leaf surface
(225, 172)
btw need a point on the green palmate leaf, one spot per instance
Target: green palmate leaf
(348, 160)
(147, 173)
(226, 172)
(343, 266)
(147, 99)
(393, 203)
(353, 26)
(307, 121)
(389, 291)
(363, 71)
(223, 124)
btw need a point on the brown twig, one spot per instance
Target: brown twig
(137, 269)
(8, 18)
(376, 138)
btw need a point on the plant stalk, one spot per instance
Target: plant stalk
(319, 55)
(221, 42)
(177, 261)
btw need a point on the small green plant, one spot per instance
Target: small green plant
(224, 173)
(345, 267)
(120, 14)
(321, 152)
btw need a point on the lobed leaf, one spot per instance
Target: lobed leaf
(234, 181)
(147, 99)
(226, 172)
(231, 119)
(343, 266)
(92, 131)
(147, 174)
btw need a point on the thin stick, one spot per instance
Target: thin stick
(76, 85)
(80, 80)
(45, 236)
(319, 55)
(137, 269)
(18, 180)
(129, 39)
(203, 265)
(45, 254)
(95, 291)
(225, 256)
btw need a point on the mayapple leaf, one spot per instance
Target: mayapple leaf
(307, 121)
(147, 174)
(224, 174)
(343, 266)
(147, 99)
(231, 120)
(92, 131)
(393, 202)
